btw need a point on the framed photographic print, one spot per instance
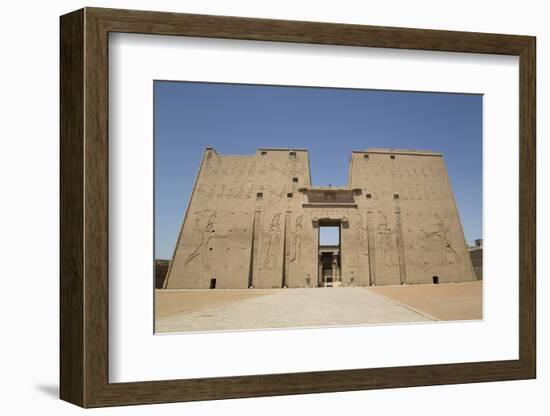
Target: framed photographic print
(255, 207)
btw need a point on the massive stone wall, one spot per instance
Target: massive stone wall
(411, 212)
(245, 225)
(253, 222)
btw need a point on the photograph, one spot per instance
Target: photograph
(280, 207)
(282, 204)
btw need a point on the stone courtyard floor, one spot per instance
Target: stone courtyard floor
(236, 309)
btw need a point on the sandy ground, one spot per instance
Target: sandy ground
(216, 310)
(445, 302)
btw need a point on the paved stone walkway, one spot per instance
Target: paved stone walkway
(291, 308)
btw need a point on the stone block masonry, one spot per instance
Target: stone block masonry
(253, 221)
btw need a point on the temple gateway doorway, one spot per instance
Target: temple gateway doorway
(329, 263)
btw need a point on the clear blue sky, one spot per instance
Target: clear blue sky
(330, 123)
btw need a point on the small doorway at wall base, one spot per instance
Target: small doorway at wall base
(435, 280)
(212, 283)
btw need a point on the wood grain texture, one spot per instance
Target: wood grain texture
(84, 207)
(71, 210)
(527, 208)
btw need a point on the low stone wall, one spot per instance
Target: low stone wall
(476, 255)
(161, 269)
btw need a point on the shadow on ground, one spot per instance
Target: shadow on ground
(51, 390)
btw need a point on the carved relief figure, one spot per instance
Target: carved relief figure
(237, 192)
(386, 234)
(297, 246)
(272, 239)
(362, 236)
(204, 232)
(438, 239)
(244, 228)
(278, 196)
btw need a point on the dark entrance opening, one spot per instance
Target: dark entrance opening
(212, 283)
(329, 254)
(435, 280)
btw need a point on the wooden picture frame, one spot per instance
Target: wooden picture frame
(84, 207)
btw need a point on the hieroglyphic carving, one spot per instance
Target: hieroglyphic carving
(287, 247)
(271, 250)
(272, 239)
(371, 248)
(202, 234)
(386, 235)
(278, 196)
(240, 168)
(237, 191)
(362, 235)
(268, 168)
(208, 192)
(297, 246)
(249, 192)
(400, 244)
(426, 193)
(251, 169)
(221, 192)
(418, 193)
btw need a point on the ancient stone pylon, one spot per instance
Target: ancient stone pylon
(253, 221)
